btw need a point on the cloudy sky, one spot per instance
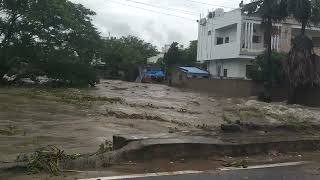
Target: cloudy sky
(156, 21)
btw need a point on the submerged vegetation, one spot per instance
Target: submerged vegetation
(69, 96)
(48, 159)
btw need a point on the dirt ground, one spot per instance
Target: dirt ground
(79, 120)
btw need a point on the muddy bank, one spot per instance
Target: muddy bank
(79, 120)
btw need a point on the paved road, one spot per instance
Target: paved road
(276, 173)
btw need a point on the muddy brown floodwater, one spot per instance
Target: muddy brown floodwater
(79, 120)
(31, 118)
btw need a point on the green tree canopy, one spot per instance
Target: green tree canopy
(301, 11)
(190, 54)
(49, 37)
(173, 56)
(126, 54)
(259, 69)
(180, 57)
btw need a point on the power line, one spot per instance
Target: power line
(166, 8)
(204, 3)
(152, 11)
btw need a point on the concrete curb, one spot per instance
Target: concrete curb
(147, 148)
(201, 147)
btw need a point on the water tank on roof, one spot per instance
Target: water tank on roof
(219, 12)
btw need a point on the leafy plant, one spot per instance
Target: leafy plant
(48, 159)
(105, 147)
(259, 70)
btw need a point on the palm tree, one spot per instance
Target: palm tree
(270, 11)
(301, 66)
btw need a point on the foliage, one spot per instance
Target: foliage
(105, 147)
(161, 63)
(69, 97)
(190, 53)
(301, 11)
(270, 11)
(301, 66)
(126, 54)
(266, 9)
(48, 159)
(259, 72)
(48, 37)
(315, 11)
(179, 57)
(173, 56)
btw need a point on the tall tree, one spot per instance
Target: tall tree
(126, 54)
(190, 54)
(173, 57)
(301, 11)
(179, 57)
(270, 11)
(301, 68)
(50, 37)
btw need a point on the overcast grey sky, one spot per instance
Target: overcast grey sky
(125, 17)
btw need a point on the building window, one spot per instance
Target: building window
(225, 73)
(219, 40)
(209, 33)
(316, 41)
(256, 39)
(226, 40)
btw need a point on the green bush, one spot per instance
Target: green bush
(259, 70)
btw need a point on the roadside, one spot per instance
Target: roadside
(158, 165)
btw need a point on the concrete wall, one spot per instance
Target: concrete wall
(226, 50)
(236, 67)
(245, 88)
(228, 88)
(309, 97)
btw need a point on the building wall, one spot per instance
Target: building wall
(233, 24)
(258, 31)
(207, 48)
(241, 29)
(236, 67)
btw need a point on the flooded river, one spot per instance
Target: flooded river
(32, 118)
(79, 120)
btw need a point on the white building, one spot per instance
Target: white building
(230, 41)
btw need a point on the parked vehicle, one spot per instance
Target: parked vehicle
(153, 75)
